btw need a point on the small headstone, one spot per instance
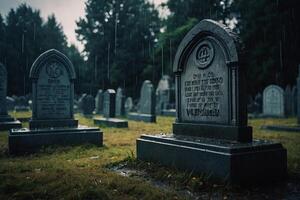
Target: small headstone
(109, 108)
(288, 101)
(99, 102)
(211, 134)
(165, 95)
(6, 122)
(273, 101)
(294, 96)
(146, 108)
(88, 105)
(120, 103)
(128, 105)
(109, 103)
(52, 76)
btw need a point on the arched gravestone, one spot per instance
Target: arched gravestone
(211, 134)
(146, 108)
(273, 101)
(52, 76)
(6, 122)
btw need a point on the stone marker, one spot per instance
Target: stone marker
(120, 103)
(52, 76)
(128, 105)
(88, 105)
(99, 102)
(6, 121)
(273, 101)
(288, 100)
(294, 96)
(211, 134)
(165, 95)
(109, 108)
(146, 110)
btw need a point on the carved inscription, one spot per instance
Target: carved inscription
(203, 95)
(53, 92)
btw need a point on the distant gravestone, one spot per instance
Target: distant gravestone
(120, 102)
(6, 122)
(128, 105)
(109, 103)
(146, 109)
(165, 95)
(109, 112)
(211, 134)
(99, 102)
(273, 101)
(52, 76)
(288, 100)
(294, 96)
(88, 105)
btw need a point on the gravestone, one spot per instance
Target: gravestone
(109, 112)
(273, 101)
(165, 95)
(211, 134)
(88, 105)
(52, 76)
(146, 109)
(22, 104)
(288, 100)
(128, 105)
(120, 103)
(99, 102)
(294, 96)
(6, 121)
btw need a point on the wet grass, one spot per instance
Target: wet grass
(81, 172)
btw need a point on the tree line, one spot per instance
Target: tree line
(126, 41)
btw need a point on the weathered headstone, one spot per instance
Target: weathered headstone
(52, 76)
(211, 134)
(288, 101)
(88, 105)
(99, 102)
(146, 110)
(128, 105)
(6, 121)
(120, 103)
(294, 96)
(109, 108)
(273, 101)
(165, 95)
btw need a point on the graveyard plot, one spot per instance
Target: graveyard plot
(85, 172)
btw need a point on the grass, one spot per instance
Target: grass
(81, 172)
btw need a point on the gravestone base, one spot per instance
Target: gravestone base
(111, 122)
(282, 128)
(38, 124)
(169, 112)
(234, 162)
(7, 123)
(235, 133)
(142, 117)
(22, 141)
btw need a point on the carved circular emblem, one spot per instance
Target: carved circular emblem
(54, 70)
(204, 55)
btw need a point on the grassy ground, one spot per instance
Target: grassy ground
(81, 172)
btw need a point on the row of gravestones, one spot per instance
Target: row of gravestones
(211, 133)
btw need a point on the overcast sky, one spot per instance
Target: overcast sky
(66, 12)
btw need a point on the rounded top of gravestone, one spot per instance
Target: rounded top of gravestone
(47, 56)
(273, 87)
(205, 28)
(3, 69)
(110, 91)
(164, 83)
